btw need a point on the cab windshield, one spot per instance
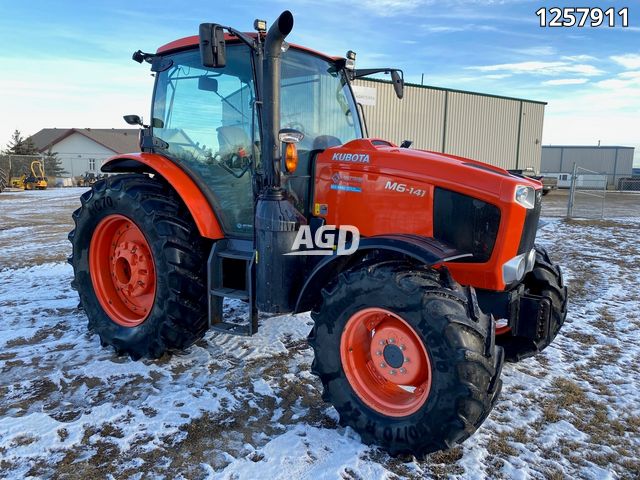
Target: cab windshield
(209, 120)
(316, 100)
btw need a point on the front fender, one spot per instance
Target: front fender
(188, 190)
(421, 250)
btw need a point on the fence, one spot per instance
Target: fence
(587, 194)
(629, 184)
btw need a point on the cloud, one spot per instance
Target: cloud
(497, 76)
(540, 51)
(625, 80)
(566, 81)
(578, 58)
(632, 75)
(389, 8)
(630, 61)
(443, 28)
(605, 110)
(540, 68)
(470, 27)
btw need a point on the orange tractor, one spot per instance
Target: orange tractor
(256, 182)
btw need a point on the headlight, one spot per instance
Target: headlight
(514, 269)
(531, 259)
(525, 196)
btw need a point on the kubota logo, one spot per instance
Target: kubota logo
(324, 242)
(351, 157)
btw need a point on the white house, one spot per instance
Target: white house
(83, 150)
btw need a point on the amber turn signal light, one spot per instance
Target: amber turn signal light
(290, 157)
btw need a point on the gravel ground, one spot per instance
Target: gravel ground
(248, 408)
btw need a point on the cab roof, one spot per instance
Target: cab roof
(194, 40)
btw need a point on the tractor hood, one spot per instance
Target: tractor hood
(474, 207)
(380, 157)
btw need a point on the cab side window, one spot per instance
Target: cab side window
(207, 118)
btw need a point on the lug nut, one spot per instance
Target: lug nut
(378, 353)
(392, 340)
(403, 370)
(381, 342)
(402, 347)
(392, 372)
(383, 365)
(406, 360)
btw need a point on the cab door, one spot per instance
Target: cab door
(207, 117)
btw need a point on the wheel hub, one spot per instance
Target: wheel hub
(385, 361)
(393, 356)
(122, 270)
(131, 269)
(401, 358)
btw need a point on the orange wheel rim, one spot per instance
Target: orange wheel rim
(122, 270)
(386, 362)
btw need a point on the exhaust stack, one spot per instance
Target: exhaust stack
(271, 96)
(277, 221)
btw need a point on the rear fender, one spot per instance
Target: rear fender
(420, 250)
(188, 190)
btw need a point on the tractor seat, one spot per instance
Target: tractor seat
(325, 141)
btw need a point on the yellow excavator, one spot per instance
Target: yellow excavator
(37, 180)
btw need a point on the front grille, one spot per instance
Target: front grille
(530, 225)
(465, 223)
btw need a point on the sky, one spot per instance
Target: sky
(68, 63)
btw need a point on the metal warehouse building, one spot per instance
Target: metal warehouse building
(502, 131)
(614, 161)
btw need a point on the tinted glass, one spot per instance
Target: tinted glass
(206, 117)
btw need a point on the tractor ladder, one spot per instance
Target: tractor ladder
(231, 274)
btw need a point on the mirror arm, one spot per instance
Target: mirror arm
(363, 72)
(242, 37)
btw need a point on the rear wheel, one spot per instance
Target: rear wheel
(406, 357)
(139, 266)
(3, 180)
(545, 280)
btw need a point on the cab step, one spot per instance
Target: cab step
(231, 274)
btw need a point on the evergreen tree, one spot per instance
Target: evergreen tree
(53, 165)
(18, 145)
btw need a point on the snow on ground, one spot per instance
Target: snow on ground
(234, 407)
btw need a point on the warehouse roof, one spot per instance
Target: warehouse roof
(118, 140)
(431, 87)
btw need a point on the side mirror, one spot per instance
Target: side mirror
(398, 82)
(212, 45)
(133, 120)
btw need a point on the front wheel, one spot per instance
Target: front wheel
(546, 281)
(139, 266)
(406, 357)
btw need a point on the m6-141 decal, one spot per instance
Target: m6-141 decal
(404, 188)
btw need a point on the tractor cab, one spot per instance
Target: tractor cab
(206, 119)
